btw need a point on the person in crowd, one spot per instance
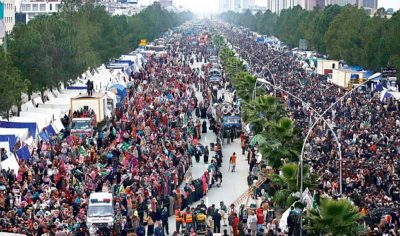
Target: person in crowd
(232, 162)
(164, 218)
(159, 230)
(188, 219)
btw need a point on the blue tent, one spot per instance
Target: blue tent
(32, 127)
(23, 153)
(43, 136)
(119, 90)
(50, 130)
(11, 139)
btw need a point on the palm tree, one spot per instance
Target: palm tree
(287, 184)
(335, 217)
(261, 111)
(244, 83)
(283, 142)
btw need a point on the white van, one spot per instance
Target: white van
(100, 215)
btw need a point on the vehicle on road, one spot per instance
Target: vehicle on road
(100, 214)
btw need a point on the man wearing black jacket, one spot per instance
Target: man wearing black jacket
(217, 221)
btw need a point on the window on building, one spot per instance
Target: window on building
(56, 8)
(35, 7)
(28, 7)
(51, 7)
(42, 7)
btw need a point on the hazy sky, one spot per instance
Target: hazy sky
(200, 6)
(395, 4)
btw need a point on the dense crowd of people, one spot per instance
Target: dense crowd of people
(366, 128)
(142, 158)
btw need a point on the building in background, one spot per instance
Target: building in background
(310, 4)
(277, 6)
(373, 4)
(33, 8)
(248, 4)
(237, 5)
(224, 5)
(7, 16)
(341, 2)
(321, 3)
(165, 3)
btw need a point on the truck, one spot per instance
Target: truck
(82, 127)
(100, 214)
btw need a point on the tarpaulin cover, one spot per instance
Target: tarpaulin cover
(50, 130)
(32, 127)
(125, 61)
(23, 153)
(119, 90)
(11, 139)
(43, 136)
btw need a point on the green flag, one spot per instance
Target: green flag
(125, 146)
(82, 151)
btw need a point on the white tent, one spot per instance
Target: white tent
(63, 108)
(10, 163)
(39, 122)
(22, 133)
(37, 100)
(25, 106)
(57, 125)
(387, 94)
(55, 112)
(5, 145)
(44, 118)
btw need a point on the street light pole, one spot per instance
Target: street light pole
(319, 115)
(312, 127)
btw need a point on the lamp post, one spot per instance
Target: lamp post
(312, 127)
(272, 77)
(319, 116)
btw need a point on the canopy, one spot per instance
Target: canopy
(24, 153)
(387, 94)
(40, 122)
(22, 133)
(11, 139)
(118, 90)
(10, 163)
(55, 112)
(57, 125)
(258, 139)
(31, 126)
(42, 117)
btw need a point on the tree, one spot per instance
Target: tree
(283, 142)
(261, 111)
(28, 52)
(344, 38)
(12, 85)
(335, 217)
(60, 47)
(287, 27)
(244, 84)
